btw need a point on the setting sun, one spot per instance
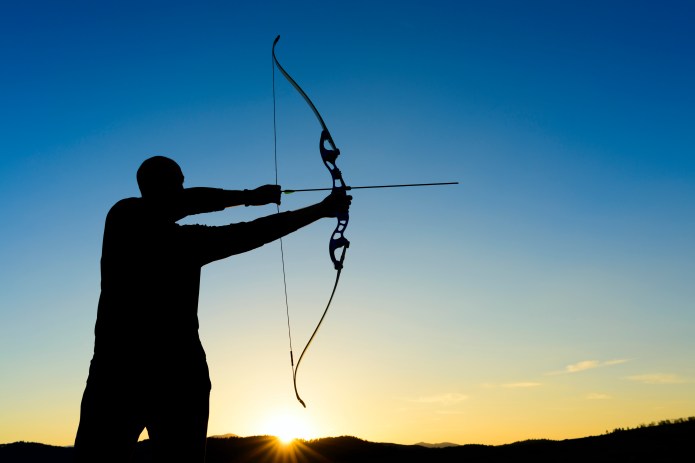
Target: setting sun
(288, 426)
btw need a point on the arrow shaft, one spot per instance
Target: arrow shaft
(402, 185)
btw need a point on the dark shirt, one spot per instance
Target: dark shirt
(147, 322)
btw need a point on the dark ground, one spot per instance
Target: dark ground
(667, 441)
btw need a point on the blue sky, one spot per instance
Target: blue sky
(548, 295)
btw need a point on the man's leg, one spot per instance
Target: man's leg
(109, 426)
(178, 424)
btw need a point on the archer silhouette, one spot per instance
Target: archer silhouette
(149, 368)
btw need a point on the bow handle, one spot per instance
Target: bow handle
(338, 242)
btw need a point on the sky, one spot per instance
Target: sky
(548, 295)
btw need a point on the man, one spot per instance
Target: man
(149, 368)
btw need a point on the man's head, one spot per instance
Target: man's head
(159, 177)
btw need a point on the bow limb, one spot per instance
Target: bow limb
(301, 356)
(299, 89)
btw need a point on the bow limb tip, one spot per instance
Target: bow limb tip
(296, 393)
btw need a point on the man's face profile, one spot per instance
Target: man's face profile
(159, 178)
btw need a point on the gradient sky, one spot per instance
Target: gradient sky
(550, 295)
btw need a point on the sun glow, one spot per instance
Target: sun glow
(288, 427)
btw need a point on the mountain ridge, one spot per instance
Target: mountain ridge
(657, 442)
(438, 445)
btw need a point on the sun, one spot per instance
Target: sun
(287, 427)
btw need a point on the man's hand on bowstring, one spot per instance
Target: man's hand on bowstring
(263, 195)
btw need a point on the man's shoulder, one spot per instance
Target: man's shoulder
(125, 206)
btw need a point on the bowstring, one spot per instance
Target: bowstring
(282, 251)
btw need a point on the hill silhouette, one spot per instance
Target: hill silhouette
(663, 441)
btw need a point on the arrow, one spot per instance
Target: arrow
(403, 185)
